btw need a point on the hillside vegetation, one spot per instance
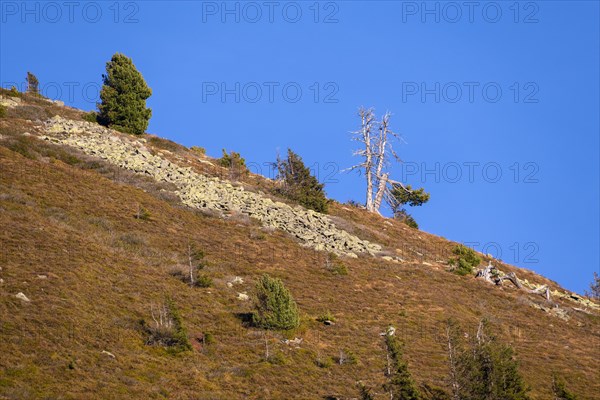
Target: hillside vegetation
(100, 253)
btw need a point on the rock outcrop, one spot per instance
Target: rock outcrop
(10, 102)
(199, 191)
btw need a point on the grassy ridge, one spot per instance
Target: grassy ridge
(71, 243)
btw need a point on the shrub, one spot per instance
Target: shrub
(275, 307)
(13, 92)
(347, 357)
(142, 214)
(91, 116)
(465, 261)
(277, 358)
(299, 185)
(123, 97)
(208, 338)
(166, 144)
(365, 392)
(327, 316)
(2, 111)
(403, 216)
(559, 389)
(198, 150)
(22, 145)
(167, 328)
(326, 362)
(335, 265)
(234, 162)
(200, 281)
(355, 204)
(203, 281)
(194, 258)
(257, 235)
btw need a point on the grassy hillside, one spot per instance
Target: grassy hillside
(71, 243)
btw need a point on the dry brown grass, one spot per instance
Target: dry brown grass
(104, 268)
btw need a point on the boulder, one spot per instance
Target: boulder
(22, 296)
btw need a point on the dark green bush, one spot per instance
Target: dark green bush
(325, 362)
(233, 160)
(403, 216)
(275, 306)
(560, 390)
(465, 262)
(208, 338)
(277, 358)
(203, 281)
(335, 265)
(297, 183)
(2, 111)
(198, 150)
(326, 316)
(13, 92)
(123, 97)
(91, 116)
(235, 163)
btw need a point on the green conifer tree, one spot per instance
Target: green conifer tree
(401, 385)
(299, 185)
(33, 84)
(402, 196)
(275, 306)
(123, 97)
(489, 370)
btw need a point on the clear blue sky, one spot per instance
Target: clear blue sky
(498, 88)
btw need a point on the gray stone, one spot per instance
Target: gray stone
(22, 296)
(199, 191)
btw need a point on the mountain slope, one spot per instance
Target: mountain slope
(91, 270)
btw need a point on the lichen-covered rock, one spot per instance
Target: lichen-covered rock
(10, 102)
(199, 191)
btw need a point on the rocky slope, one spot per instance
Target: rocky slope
(199, 191)
(79, 272)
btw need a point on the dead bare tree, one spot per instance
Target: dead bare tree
(266, 345)
(191, 264)
(384, 155)
(453, 353)
(162, 319)
(491, 274)
(364, 136)
(376, 154)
